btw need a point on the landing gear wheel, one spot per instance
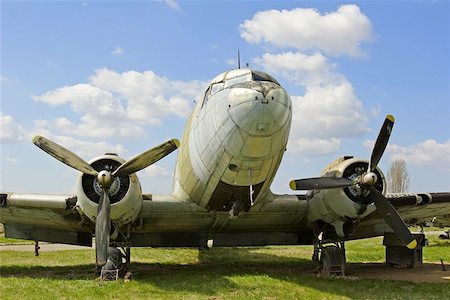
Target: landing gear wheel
(332, 261)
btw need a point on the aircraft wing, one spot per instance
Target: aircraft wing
(414, 209)
(50, 218)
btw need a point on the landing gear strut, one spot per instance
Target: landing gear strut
(118, 259)
(36, 248)
(117, 264)
(329, 260)
(236, 208)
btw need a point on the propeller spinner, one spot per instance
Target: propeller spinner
(105, 179)
(366, 181)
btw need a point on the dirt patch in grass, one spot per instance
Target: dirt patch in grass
(427, 272)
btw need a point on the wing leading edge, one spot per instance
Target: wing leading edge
(50, 218)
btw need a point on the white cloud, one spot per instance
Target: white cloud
(300, 68)
(328, 112)
(109, 105)
(155, 171)
(11, 160)
(120, 104)
(92, 127)
(314, 146)
(82, 148)
(375, 111)
(10, 130)
(83, 98)
(232, 62)
(427, 153)
(336, 33)
(117, 51)
(148, 95)
(172, 4)
(329, 109)
(89, 149)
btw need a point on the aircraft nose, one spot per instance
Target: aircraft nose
(260, 110)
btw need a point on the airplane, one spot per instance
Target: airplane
(230, 151)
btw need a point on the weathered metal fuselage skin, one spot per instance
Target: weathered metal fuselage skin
(233, 143)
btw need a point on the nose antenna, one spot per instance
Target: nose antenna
(239, 59)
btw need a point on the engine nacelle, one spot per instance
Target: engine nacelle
(342, 206)
(125, 192)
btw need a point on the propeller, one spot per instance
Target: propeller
(367, 180)
(63, 155)
(381, 142)
(105, 178)
(146, 158)
(392, 218)
(103, 221)
(319, 183)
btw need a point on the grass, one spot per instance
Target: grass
(8, 241)
(234, 273)
(372, 250)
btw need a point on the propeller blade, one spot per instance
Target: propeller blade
(392, 218)
(63, 155)
(320, 183)
(147, 158)
(102, 229)
(381, 142)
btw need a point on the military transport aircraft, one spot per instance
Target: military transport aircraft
(230, 151)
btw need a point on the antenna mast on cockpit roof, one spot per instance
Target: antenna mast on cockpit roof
(239, 59)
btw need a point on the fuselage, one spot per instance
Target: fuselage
(234, 142)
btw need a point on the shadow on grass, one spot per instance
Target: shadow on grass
(222, 271)
(248, 256)
(85, 271)
(228, 258)
(210, 275)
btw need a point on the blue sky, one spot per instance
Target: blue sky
(122, 76)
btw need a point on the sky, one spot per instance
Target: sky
(99, 76)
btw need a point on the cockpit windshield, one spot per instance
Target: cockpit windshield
(235, 77)
(261, 76)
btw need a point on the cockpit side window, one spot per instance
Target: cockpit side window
(206, 96)
(212, 89)
(216, 87)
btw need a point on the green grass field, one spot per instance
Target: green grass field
(234, 273)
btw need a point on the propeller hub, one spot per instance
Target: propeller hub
(369, 178)
(104, 179)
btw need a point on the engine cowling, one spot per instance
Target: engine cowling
(125, 192)
(341, 207)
